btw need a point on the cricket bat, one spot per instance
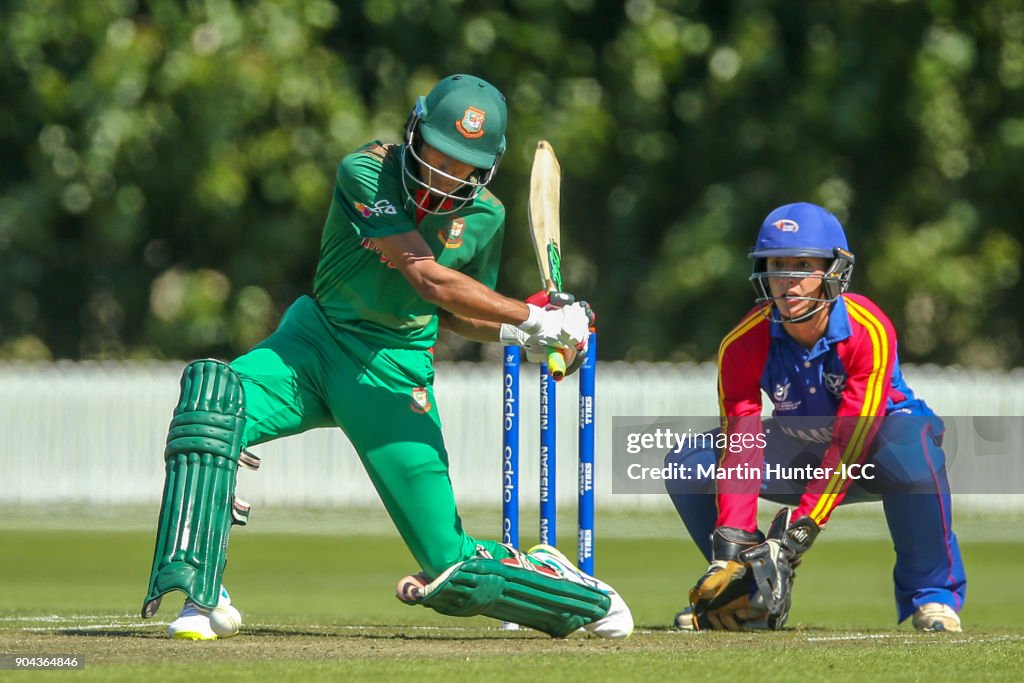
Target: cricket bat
(545, 186)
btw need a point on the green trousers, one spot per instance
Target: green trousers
(309, 374)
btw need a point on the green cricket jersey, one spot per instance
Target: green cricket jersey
(359, 290)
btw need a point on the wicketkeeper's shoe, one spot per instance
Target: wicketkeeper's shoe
(193, 622)
(684, 620)
(618, 623)
(936, 616)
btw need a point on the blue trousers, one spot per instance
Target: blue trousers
(909, 478)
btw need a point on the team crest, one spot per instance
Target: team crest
(420, 400)
(471, 125)
(781, 392)
(453, 240)
(835, 383)
(786, 225)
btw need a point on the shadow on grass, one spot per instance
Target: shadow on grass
(382, 632)
(395, 632)
(110, 633)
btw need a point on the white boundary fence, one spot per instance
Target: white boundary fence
(93, 432)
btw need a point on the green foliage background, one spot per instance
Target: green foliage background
(167, 165)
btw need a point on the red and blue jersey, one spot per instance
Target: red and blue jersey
(851, 373)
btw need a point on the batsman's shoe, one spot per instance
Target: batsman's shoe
(936, 616)
(194, 623)
(618, 622)
(410, 588)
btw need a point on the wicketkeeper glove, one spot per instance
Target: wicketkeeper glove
(721, 597)
(773, 564)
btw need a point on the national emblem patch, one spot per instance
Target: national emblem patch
(835, 383)
(453, 239)
(420, 400)
(471, 125)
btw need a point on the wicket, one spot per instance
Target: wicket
(548, 455)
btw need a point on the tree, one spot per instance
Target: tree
(169, 165)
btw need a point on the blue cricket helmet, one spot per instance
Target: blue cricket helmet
(802, 229)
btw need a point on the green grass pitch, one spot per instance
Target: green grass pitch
(316, 590)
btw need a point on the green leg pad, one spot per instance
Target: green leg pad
(528, 597)
(203, 447)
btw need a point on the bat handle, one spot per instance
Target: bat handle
(556, 363)
(556, 359)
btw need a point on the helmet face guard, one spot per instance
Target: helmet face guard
(463, 117)
(421, 193)
(834, 281)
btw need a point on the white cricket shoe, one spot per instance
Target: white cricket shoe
(193, 622)
(618, 623)
(752, 619)
(936, 616)
(684, 620)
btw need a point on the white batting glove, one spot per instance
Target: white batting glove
(561, 328)
(535, 351)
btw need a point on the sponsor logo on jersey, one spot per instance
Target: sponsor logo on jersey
(378, 208)
(471, 125)
(835, 383)
(420, 400)
(453, 240)
(787, 225)
(781, 392)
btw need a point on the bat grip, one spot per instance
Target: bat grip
(556, 363)
(556, 359)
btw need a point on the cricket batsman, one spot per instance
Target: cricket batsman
(843, 417)
(411, 243)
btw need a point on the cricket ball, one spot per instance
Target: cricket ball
(225, 621)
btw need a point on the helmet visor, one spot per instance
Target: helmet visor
(834, 280)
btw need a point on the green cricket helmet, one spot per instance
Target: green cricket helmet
(464, 118)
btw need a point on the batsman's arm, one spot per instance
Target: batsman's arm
(470, 328)
(447, 288)
(483, 331)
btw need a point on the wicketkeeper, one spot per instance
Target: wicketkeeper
(842, 415)
(412, 242)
